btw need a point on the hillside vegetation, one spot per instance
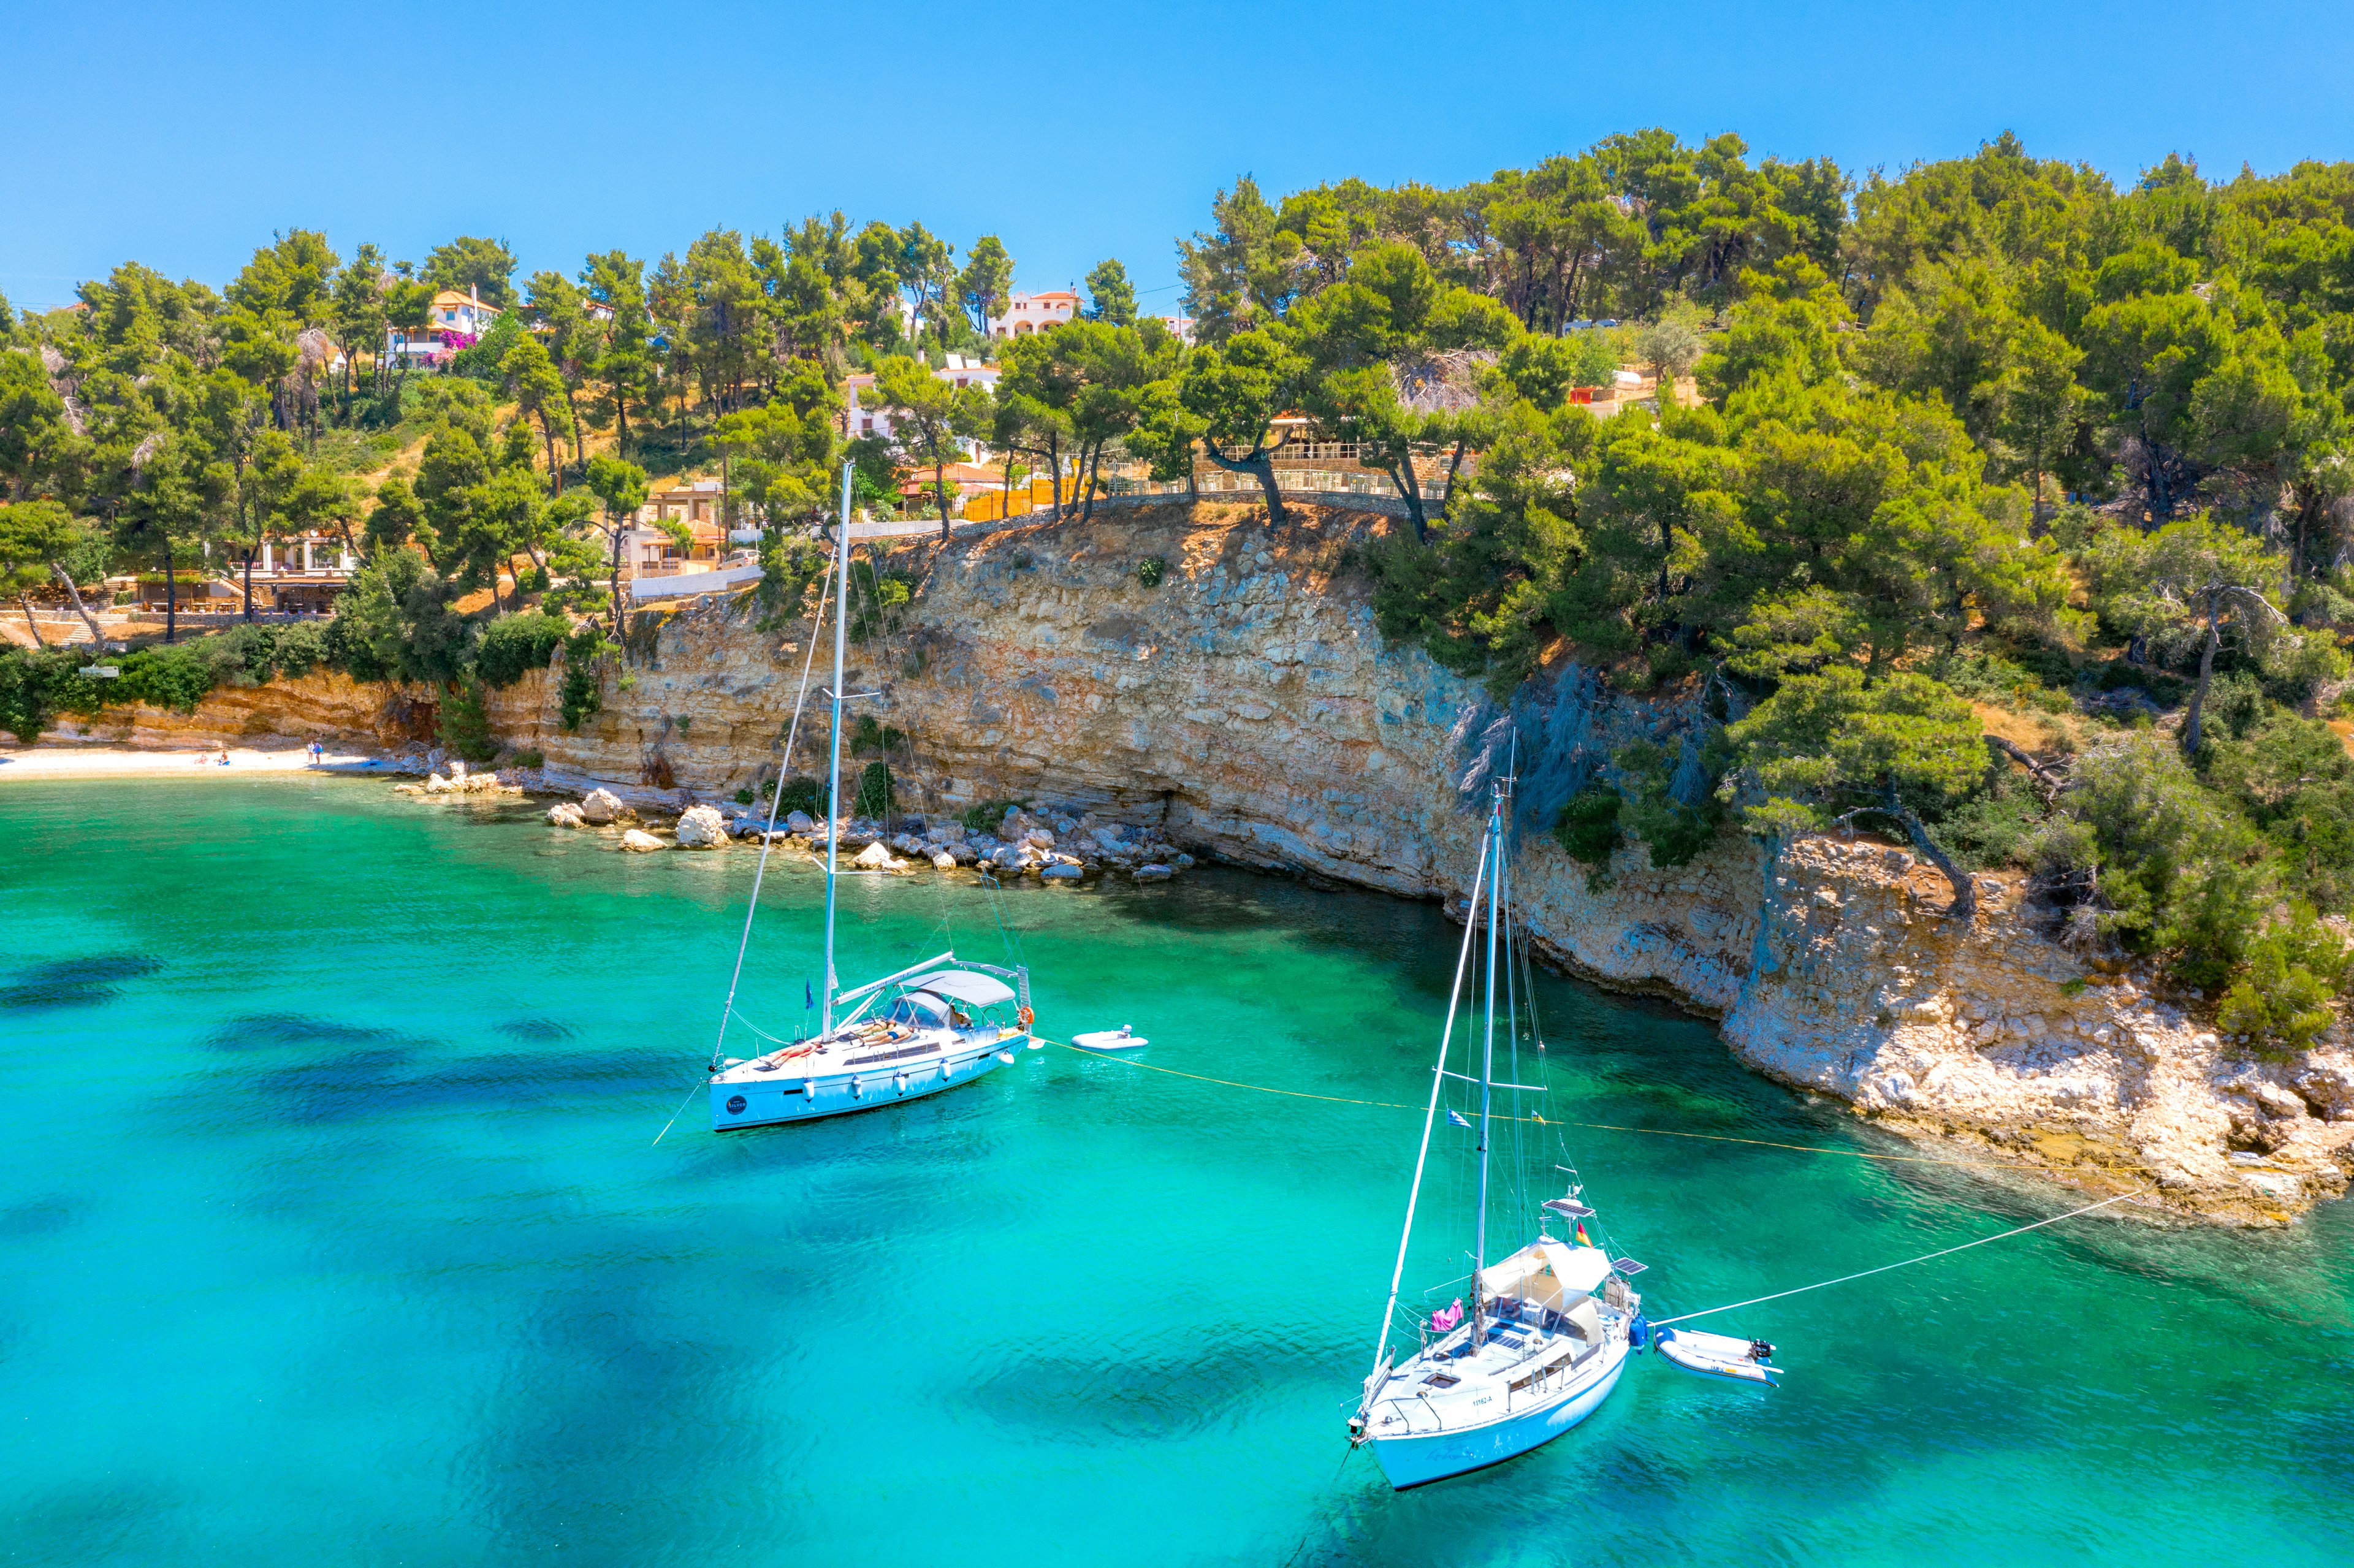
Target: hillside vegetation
(2013, 518)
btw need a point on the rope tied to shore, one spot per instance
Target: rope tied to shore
(1544, 1120)
(1883, 1269)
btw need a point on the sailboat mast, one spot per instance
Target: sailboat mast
(833, 778)
(1487, 1058)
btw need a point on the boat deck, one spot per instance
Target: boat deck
(1515, 1364)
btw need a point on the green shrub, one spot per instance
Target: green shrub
(1150, 570)
(874, 799)
(465, 725)
(38, 685)
(744, 797)
(988, 816)
(530, 757)
(1588, 827)
(802, 793)
(2281, 1002)
(584, 678)
(177, 675)
(515, 645)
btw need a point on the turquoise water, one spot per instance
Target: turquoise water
(334, 1232)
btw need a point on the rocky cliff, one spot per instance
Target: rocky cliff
(1247, 707)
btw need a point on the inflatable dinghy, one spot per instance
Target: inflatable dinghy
(1123, 1038)
(1718, 1355)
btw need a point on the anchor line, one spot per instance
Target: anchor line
(1544, 1120)
(1907, 1263)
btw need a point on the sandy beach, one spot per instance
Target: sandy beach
(125, 762)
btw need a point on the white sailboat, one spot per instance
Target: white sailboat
(917, 1030)
(1550, 1326)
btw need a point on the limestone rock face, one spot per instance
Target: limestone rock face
(637, 841)
(1248, 711)
(565, 814)
(599, 807)
(701, 827)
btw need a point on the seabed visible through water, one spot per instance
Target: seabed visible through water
(334, 1233)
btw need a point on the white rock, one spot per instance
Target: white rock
(944, 860)
(800, 822)
(876, 854)
(701, 827)
(564, 814)
(637, 841)
(600, 807)
(1040, 837)
(435, 784)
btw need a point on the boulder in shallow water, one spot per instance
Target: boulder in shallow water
(876, 856)
(600, 807)
(1062, 870)
(800, 822)
(637, 841)
(1153, 873)
(565, 814)
(701, 827)
(435, 784)
(944, 861)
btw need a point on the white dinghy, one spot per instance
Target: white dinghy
(1717, 1355)
(1551, 1325)
(1123, 1038)
(916, 1032)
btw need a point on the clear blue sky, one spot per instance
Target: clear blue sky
(183, 135)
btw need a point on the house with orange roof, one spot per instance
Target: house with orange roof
(452, 322)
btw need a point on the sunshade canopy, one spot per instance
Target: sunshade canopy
(981, 991)
(1548, 1272)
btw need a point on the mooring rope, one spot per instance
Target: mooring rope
(1883, 1269)
(1541, 1121)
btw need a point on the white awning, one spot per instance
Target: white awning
(1547, 1271)
(981, 991)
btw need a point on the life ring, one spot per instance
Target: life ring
(1022, 1018)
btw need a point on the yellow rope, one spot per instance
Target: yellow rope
(1589, 1126)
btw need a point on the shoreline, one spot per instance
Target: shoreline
(102, 760)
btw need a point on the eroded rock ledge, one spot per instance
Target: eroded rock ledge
(1248, 709)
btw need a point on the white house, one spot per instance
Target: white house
(862, 419)
(1026, 313)
(453, 322)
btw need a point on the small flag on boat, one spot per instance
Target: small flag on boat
(1583, 1239)
(1457, 1118)
(809, 997)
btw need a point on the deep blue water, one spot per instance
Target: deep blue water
(334, 1232)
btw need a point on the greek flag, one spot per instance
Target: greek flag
(1457, 1118)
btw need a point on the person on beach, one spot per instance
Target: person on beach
(317, 752)
(223, 757)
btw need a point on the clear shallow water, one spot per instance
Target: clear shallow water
(332, 1234)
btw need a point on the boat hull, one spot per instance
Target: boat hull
(787, 1097)
(1423, 1457)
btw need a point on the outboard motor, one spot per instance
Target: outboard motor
(1759, 1351)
